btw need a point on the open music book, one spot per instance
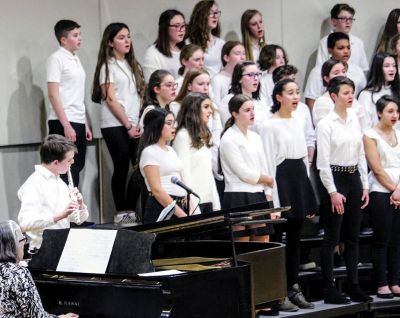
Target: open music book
(167, 213)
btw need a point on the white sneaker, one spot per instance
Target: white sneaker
(125, 219)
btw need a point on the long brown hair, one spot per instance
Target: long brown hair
(188, 79)
(198, 30)
(105, 54)
(246, 36)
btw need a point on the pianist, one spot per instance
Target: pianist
(46, 201)
(18, 294)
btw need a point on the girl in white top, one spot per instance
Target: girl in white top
(204, 30)
(382, 149)
(192, 56)
(271, 57)
(160, 91)
(158, 163)
(119, 85)
(243, 163)
(193, 143)
(246, 81)
(286, 155)
(164, 53)
(232, 53)
(383, 79)
(324, 104)
(253, 33)
(198, 81)
(343, 172)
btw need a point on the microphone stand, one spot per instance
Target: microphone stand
(188, 203)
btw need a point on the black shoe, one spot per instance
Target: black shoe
(332, 296)
(358, 295)
(385, 296)
(297, 298)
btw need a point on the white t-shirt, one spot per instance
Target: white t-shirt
(221, 84)
(368, 100)
(315, 87)
(197, 168)
(65, 68)
(169, 165)
(357, 57)
(42, 196)
(154, 60)
(120, 74)
(212, 56)
(390, 160)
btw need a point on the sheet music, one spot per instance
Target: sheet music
(87, 251)
(164, 215)
(162, 273)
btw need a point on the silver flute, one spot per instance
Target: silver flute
(76, 214)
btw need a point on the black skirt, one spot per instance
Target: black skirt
(294, 188)
(236, 199)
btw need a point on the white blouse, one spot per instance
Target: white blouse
(197, 168)
(368, 100)
(339, 142)
(212, 56)
(266, 88)
(282, 138)
(389, 157)
(221, 84)
(242, 161)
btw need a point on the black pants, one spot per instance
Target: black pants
(123, 151)
(55, 127)
(293, 234)
(349, 185)
(386, 239)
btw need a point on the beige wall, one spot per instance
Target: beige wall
(27, 40)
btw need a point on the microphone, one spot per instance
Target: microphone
(176, 181)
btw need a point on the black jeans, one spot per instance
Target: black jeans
(293, 234)
(349, 185)
(385, 221)
(55, 127)
(123, 151)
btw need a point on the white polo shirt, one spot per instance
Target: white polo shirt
(120, 74)
(65, 68)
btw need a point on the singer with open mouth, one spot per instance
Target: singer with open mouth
(158, 163)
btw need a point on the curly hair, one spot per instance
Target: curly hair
(105, 54)
(198, 30)
(189, 118)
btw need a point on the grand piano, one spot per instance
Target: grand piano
(217, 278)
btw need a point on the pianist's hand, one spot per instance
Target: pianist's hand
(69, 315)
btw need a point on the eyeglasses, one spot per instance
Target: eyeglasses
(178, 27)
(253, 75)
(344, 19)
(215, 13)
(170, 123)
(170, 85)
(24, 239)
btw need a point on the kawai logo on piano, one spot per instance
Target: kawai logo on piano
(68, 303)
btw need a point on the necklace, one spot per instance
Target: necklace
(390, 138)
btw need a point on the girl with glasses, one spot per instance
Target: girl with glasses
(158, 163)
(204, 30)
(164, 53)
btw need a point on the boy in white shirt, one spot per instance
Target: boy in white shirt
(340, 49)
(342, 18)
(46, 201)
(65, 78)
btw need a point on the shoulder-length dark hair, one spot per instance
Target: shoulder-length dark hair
(198, 30)
(189, 117)
(153, 125)
(234, 105)
(236, 87)
(268, 55)
(389, 31)
(10, 234)
(327, 67)
(105, 54)
(376, 76)
(155, 80)
(162, 41)
(246, 36)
